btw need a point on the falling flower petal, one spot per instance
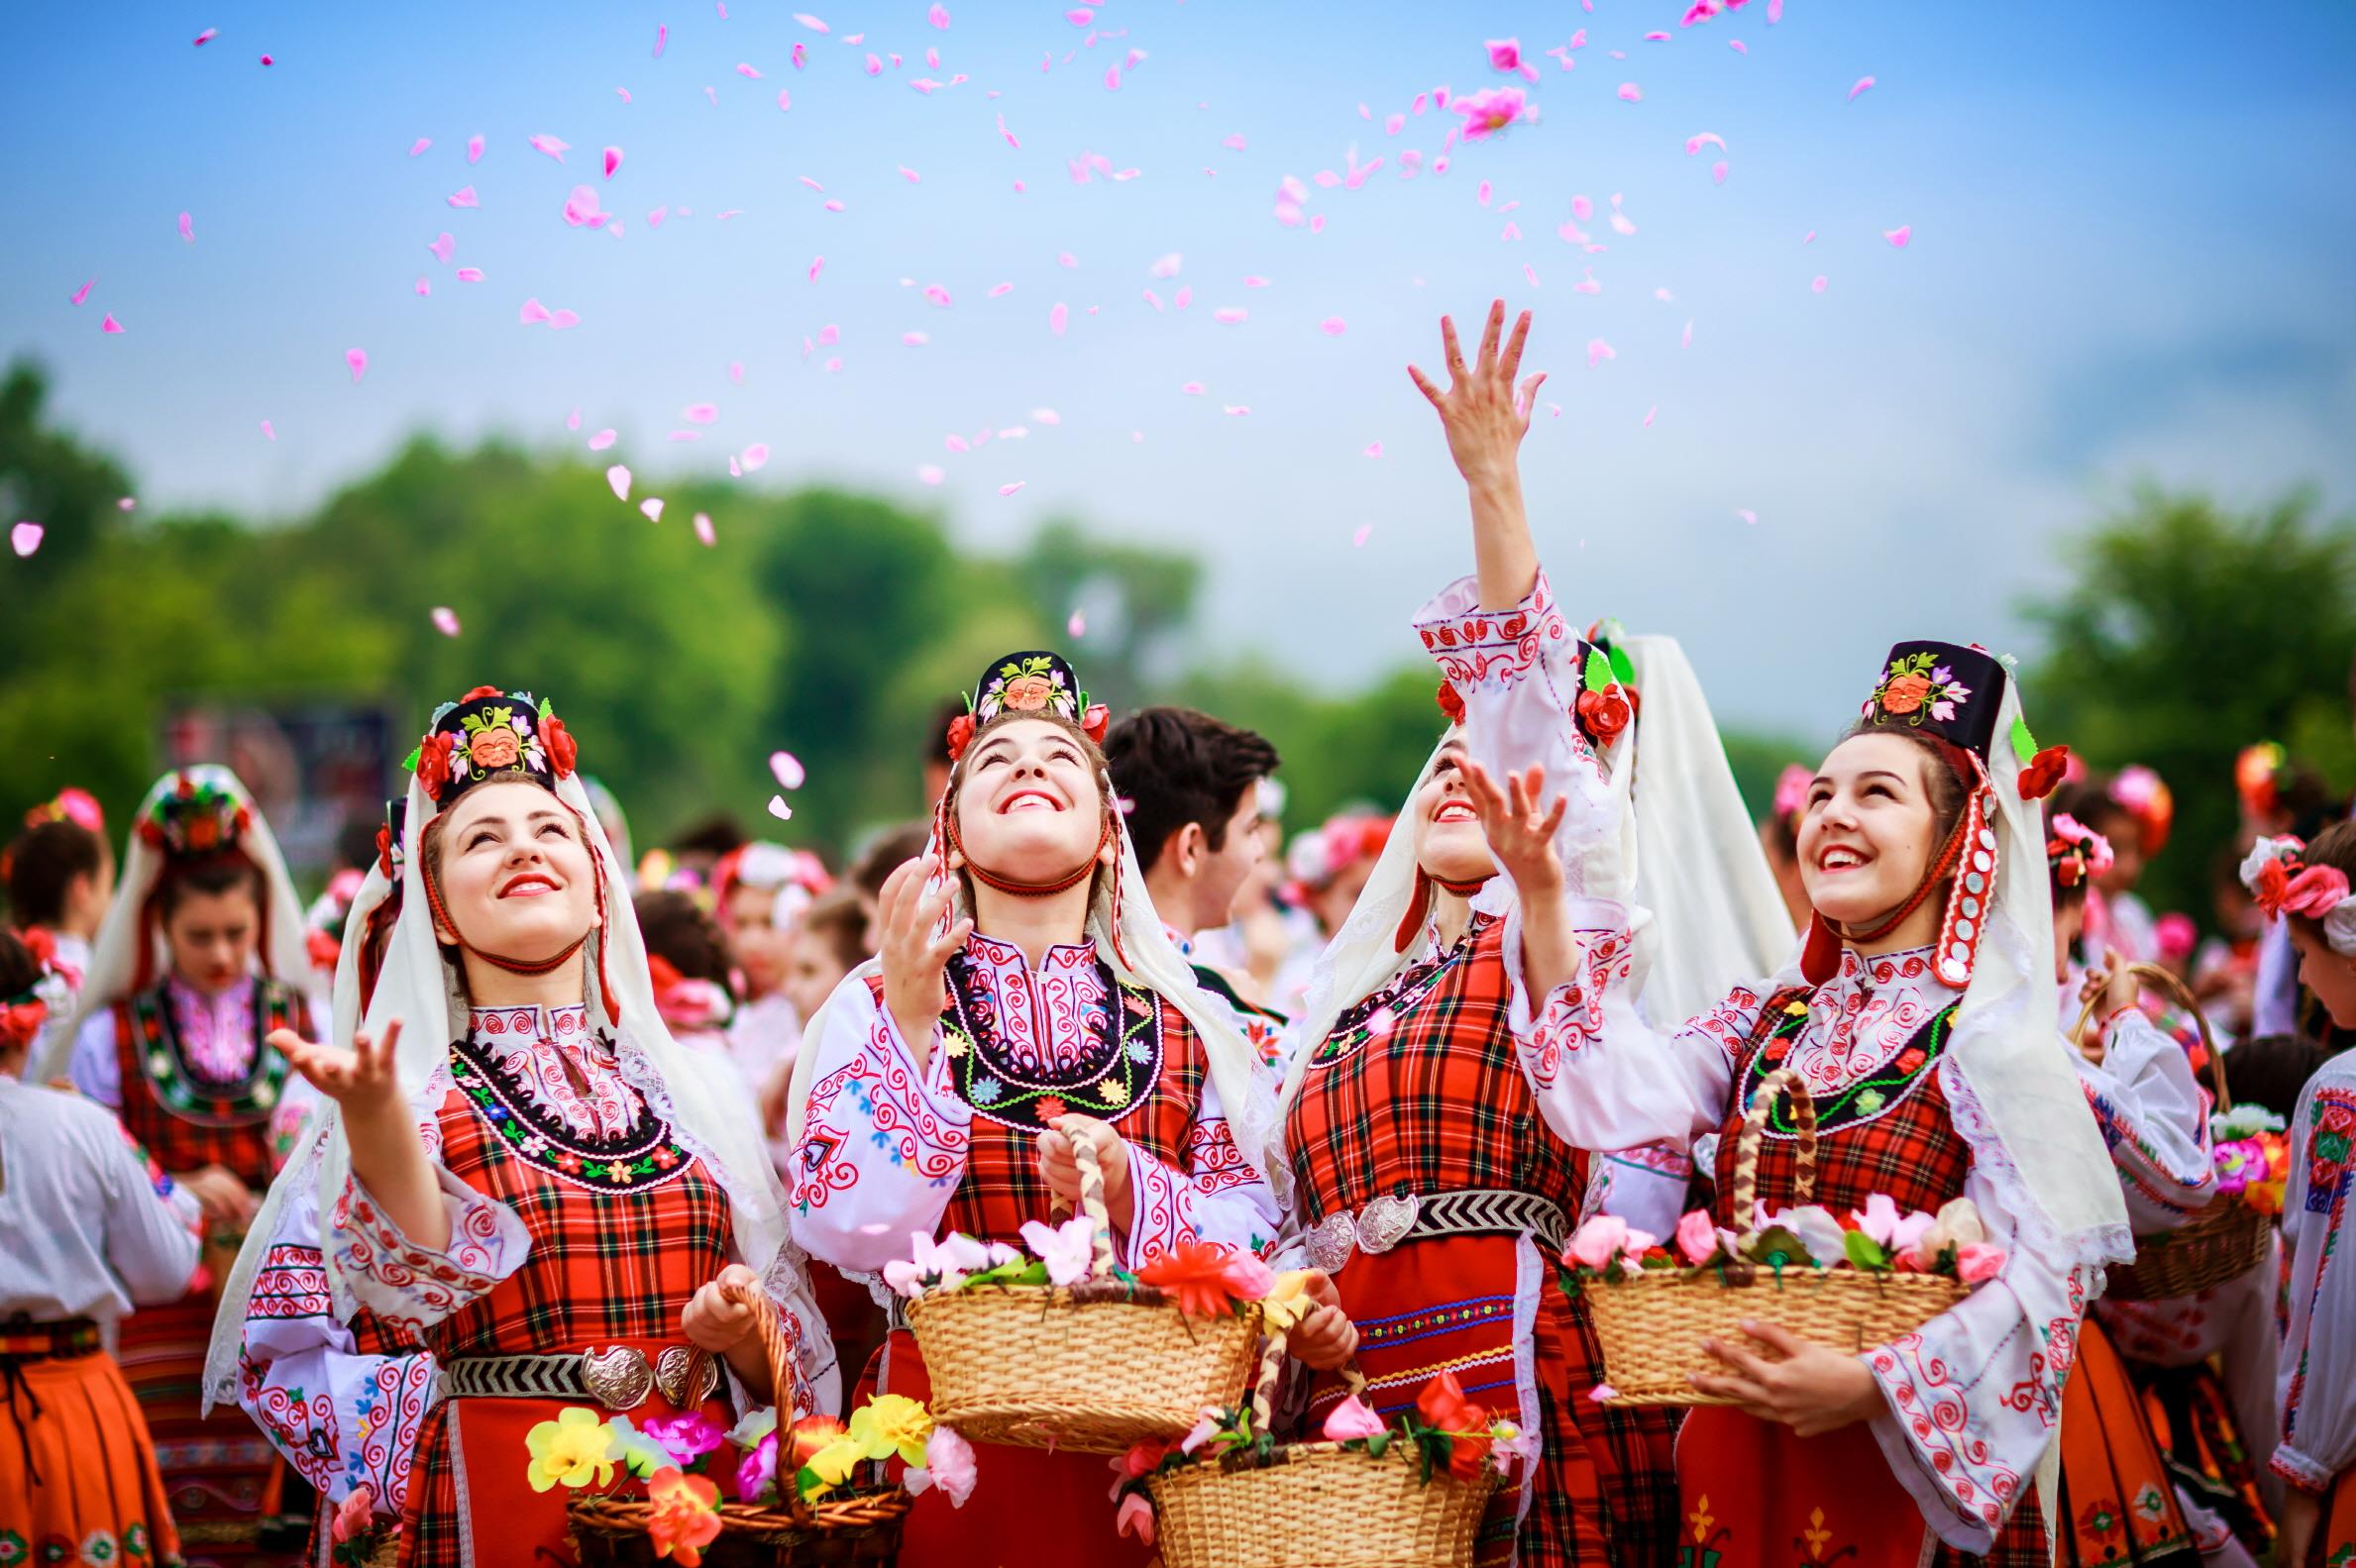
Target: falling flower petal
(1058, 317)
(269, 430)
(1373, 449)
(1817, 283)
(1900, 236)
(83, 292)
(469, 274)
(811, 22)
(937, 294)
(267, 60)
(206, 36)
(699, 413)
(110, 323)
(1009, 490)
(1630, 92)
(1599, 351)
(1863, 85)
(1333, 326)
(25, 536)
(559, 320)
(423, 287)
(755, 455)
(651, 506)
(1745, 515)
(817, 265)
(778, 810)
(703, 528)
(357, 360)
(550, 146)
(787, 770)
(445, 620)
(475, 149)
(747, 71)
(1694, 144)
(463, 197)
(915, 339)
(1229, 315)
(1360, 534)
(930, 473)
(1192, 388)
(938, 16)
(1235, 410)
(420, 145)
(618, 478)
(532, 310)
(613, 161)
(601, 441)
(1687, 342)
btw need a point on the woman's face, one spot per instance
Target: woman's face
(1028, 807)
(1449, 842)
(812, 973)
(756, 945)
(515, 873)
(2126, 853)
(1332, 902)
(1865, 839)
(2330, 976)
(212, 936)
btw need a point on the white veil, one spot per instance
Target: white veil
(697, 1095)
(115, 960)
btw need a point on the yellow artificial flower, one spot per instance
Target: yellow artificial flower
(1287, 1303)
(572, 1449)
(891, 1424)
(832, 1464)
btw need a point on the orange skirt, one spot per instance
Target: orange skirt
(2335, 1543)
(2119, 1504)
(78, 1473)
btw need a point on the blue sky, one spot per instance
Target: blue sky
(2128, 257)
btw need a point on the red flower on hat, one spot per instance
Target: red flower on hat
(1605, 713)
(322, 949)
(2044, 771)
(1095, 720)
(480, 692)
(563, 748)
(433, 765)
(1450, 703)
(961, 735)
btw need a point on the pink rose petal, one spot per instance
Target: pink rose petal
(423, 287)
(662, 37)
(817, 263)
(110, 323)
(532, 310)
(267, 60)
(601, 441)
(268, 430)
(1333, 326)
(787, 770)
(1359, 535)
(699, 413)
(811, 22)
(357, 360)
(25, 536)
(420, 145)
(469, 274)
(1009, 490)
(443, 248)
(1900, 236)
(475, 149)
(83, 292)
(755, 455)
(1599, 351)
(619, 478)
(915, 339)
(1630, 92)
(747, 71)
(1192, 388)
(1058, 317)
(206, 36)
(463, 197)
(930, 473)
(1229, 315)
(1747, 515)
(938, 16)
(551, 146)
(651, 506)
(937, 294)
(559, 320)
(778, 810)
(613, 161)
(703, 531)
(1817, 283)
(445, 620)
(187, 230)
(1863, 85)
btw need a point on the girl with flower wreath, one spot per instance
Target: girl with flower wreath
(1023, 976)
(89, 1229)
(1919, 1019)
(520, 1171)
(1429, 1178)
(2307, 888)
(201, 956)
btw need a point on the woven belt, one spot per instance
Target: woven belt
(620, 1378)
(1387, 1222)
(22, 1339)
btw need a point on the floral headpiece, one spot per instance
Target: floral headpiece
(195, 820)
(71, 804)
(491, 734)
(2142, 795)
(1607, 701)
(22, 1015)
(1791, 793)
(2283, 883)
(2255, 771)
(2074, 851)
(1035, 683)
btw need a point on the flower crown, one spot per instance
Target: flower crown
(1032, 683)
(491, 734)
(71, 804)
(2143, 794)
(196, 818)
(2075, 852)
(1791, 793)
(2256, 771)
(2283, 883)
(22, 1015)
(1607, 702)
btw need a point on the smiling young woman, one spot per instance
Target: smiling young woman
(1023, 975)
(1920, 1017)
(520, 1171)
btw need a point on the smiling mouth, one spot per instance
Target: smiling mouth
(530, 884)
(1454, 811)
(1030, 800)
(1840, 858)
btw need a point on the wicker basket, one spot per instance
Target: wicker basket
(1317, 1506)
(861, 1527)
(2220, 1242)
(1092, 1369)
(1650, 1324)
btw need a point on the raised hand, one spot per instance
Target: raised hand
(915, 961)
(361, 1079)
(1520, 834)
(388, 1155)
(1484, 414)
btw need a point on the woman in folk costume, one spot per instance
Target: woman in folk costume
(1023, 976)
(87, 1228)
(520, 1169)
(200, 958)
(1920, 1018)
(1427, 1180)
(2118, 1502)
(2306, 886)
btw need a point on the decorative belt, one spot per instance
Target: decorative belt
(620, 1378)
(1389, 1220)
(22, 1339)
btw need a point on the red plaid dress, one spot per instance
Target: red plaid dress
(621, 1236)
(1753, 1494)
(1419, 1089)
(222, 1476)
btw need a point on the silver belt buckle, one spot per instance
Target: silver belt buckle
(1377, 1228)
(1332, 1241)
(618, 1379)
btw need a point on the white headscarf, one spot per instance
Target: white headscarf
(114, 962)
(1143, 955)
(699, 1097)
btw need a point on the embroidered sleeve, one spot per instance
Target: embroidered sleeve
(413, 1287)
(1605, 1077)
(1974, 1395)
(94, 1065)
(2318, 1368)
(2155, 1122)
(883, 1147)
(1220, 1196)
(341, 1417)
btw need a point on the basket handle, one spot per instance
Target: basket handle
(1746, 1150)
(1263, 1384)
(1092, 1194)
(781, 1344)
(2167, 982)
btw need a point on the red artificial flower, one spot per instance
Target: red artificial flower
(1096, 721)
(1443, 1404)
(2044, 771)
(1468, 1457)
(384, 850)
(961, 735)
(480, 692)
(433, 765)
(1196, 1273)
(563, 748)
(1449, 704)
(1605, 713)
(2274, 885)
(322, 949)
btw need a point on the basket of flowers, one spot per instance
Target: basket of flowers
(1064, 1350)
(1228, 1495)
(808, 1494)
(2234, 1234)
(1847, 1286)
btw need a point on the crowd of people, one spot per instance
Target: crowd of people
(308, 1214)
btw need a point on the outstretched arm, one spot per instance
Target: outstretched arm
(389, 1156)
(1485, 417)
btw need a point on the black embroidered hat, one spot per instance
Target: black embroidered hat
(1944, 690)
(491, 734)
(1037, 683)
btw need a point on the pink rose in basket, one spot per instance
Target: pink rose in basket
(1351, 1418)
(1979, 1262)
(1598, 1241)
(1697, 1237)
(1250, 1278)
(1135, 1517)
(1894, 1231)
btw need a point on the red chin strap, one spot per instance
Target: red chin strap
(1419, 906)
(517, 966)
(1027, 889)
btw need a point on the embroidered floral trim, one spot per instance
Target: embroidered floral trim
(1864, 1098)
(1917, 686)
(1026, 1048)
(412, 1288)
(641, 1156)
(188, 1092)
